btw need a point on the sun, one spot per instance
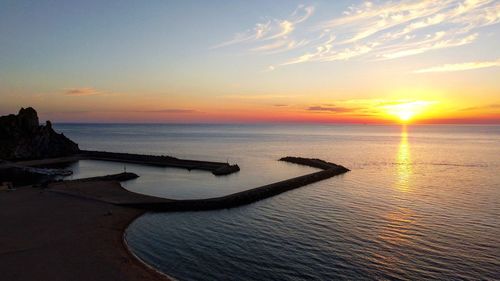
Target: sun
(406, 111)
(405, 115)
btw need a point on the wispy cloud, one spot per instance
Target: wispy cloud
(404, 28)
(372, 30)
(277, 30)
(130, 111)
(460, 66)
(335, 109)
(369, 19)
(280, 46)
(434, 42)
(494, 106)
(373, 107)
(169, 110)
(259, 97)
(82, 92)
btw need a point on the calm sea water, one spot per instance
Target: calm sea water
(421, 202)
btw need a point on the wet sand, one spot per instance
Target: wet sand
(51, 236)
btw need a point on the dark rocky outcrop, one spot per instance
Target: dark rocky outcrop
(22, 137)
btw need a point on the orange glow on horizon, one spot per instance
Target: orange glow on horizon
(267, 110)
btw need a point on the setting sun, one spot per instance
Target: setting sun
(405, 111)
(405, 115)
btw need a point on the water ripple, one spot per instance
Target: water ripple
(422, 204)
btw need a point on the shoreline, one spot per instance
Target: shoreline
(52, 236)
(41, 227)
(131, 253)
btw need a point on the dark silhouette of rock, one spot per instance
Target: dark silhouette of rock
(22, 137)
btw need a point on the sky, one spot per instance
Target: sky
(252, 61)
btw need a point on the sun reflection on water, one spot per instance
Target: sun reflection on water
(400, 220)
(404, 167)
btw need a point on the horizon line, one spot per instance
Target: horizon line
(494, 123)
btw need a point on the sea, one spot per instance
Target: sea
(421, 202)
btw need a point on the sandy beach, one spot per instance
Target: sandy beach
(51, 236)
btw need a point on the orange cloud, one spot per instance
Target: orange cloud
(81, 92)
(334, 109)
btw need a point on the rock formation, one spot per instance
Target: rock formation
(22, 137)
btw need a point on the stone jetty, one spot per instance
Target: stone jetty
(115, 194)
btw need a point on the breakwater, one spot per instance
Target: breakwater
(125, 176)
(122, 197)
(217, 168)
(311, 162)
(240, 198)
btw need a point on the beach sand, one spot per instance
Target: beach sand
(50, 236)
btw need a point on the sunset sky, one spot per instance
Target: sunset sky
(252, 61)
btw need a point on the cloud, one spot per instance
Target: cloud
(331, 109)
(169, 110)
(270, 68)
(279, 46)
(272, 46)
(270, 30)
(259, 97)
(321, 51)
(460, 66)
(381, 30)
(258, 32)
(483, 107)
(432, 44)
(398, 29)
(369, 19)
(285, 27)
(72, 112)
(374, 107)
(302, 13)
(81, 92)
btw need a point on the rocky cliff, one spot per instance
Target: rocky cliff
(22, 137)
